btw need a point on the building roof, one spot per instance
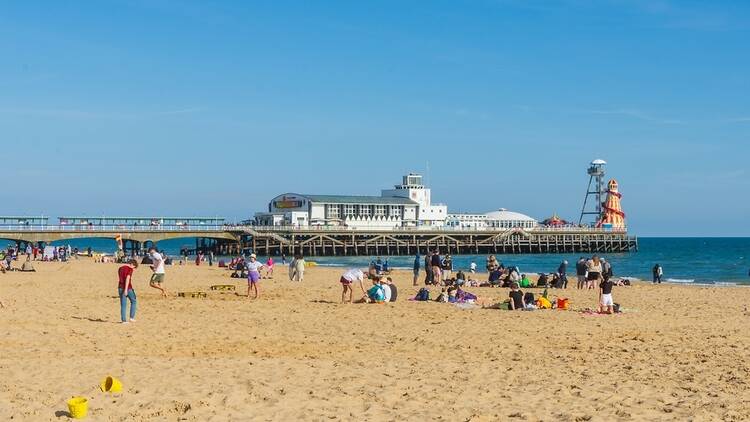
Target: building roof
(504, 215)
(352, 199)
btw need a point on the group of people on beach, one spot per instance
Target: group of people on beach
(382, 290)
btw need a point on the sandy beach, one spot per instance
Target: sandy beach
(676, 353)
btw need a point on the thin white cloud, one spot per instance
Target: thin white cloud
(636, 114)
(61, 113)
(738, 120)
(701, 16)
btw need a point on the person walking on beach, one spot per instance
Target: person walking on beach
(417, 263)
(157, 266)
(347, 279)
(283, 258)
(297, 268)
(126, 292)
(657, 272)
(253, 275)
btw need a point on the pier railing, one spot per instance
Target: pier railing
(108, 228)
(273, 229)
(422, 229)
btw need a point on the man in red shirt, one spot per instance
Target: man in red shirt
(125, 290)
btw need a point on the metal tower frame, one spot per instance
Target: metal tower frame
(596, 173)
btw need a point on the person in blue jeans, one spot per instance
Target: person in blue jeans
(126, 292)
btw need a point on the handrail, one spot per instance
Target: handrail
(107, 228)
(234, 228)
(421, 229)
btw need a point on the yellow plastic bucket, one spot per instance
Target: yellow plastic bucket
(78, 407)
(111, 385)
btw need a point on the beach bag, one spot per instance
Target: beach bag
(543, 303)
(616, 308)
(563, 304)
(423, 295)
(528, 297)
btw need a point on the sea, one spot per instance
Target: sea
(685, 260)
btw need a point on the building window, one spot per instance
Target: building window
(349, 210)
(395, 211)
(332, 211)
(379, 211)
(365, 210)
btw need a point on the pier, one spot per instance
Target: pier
(339, 241)
(332, 241)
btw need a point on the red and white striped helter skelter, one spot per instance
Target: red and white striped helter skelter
(612, 214)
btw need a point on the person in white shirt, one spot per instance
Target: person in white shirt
(347, 279)
(157, 266)
(473, 267)
(253, 275)
(386, 289)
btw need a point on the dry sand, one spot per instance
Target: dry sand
(678, 353)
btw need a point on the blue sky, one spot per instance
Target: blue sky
(212, 108)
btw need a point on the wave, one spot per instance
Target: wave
(679, 280)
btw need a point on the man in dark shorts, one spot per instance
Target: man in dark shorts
(436, 264)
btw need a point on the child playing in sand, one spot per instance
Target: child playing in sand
(269, 268)
(157, 266)
(376, 293)
(253, 275)
(347, 279)
(125, 290)
(605, 296)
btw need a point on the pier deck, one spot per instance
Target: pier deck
(334, 241)
(343, 241)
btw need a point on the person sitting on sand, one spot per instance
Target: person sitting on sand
(495, 277)
(347, 279)
(525, 282)
(374, 294)
(27, 266)
(253, 275)
(386, 289)
(394, 290)
(157, 266)
(516, 298)
(460, 278)
(125, 290)
(464, 296)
